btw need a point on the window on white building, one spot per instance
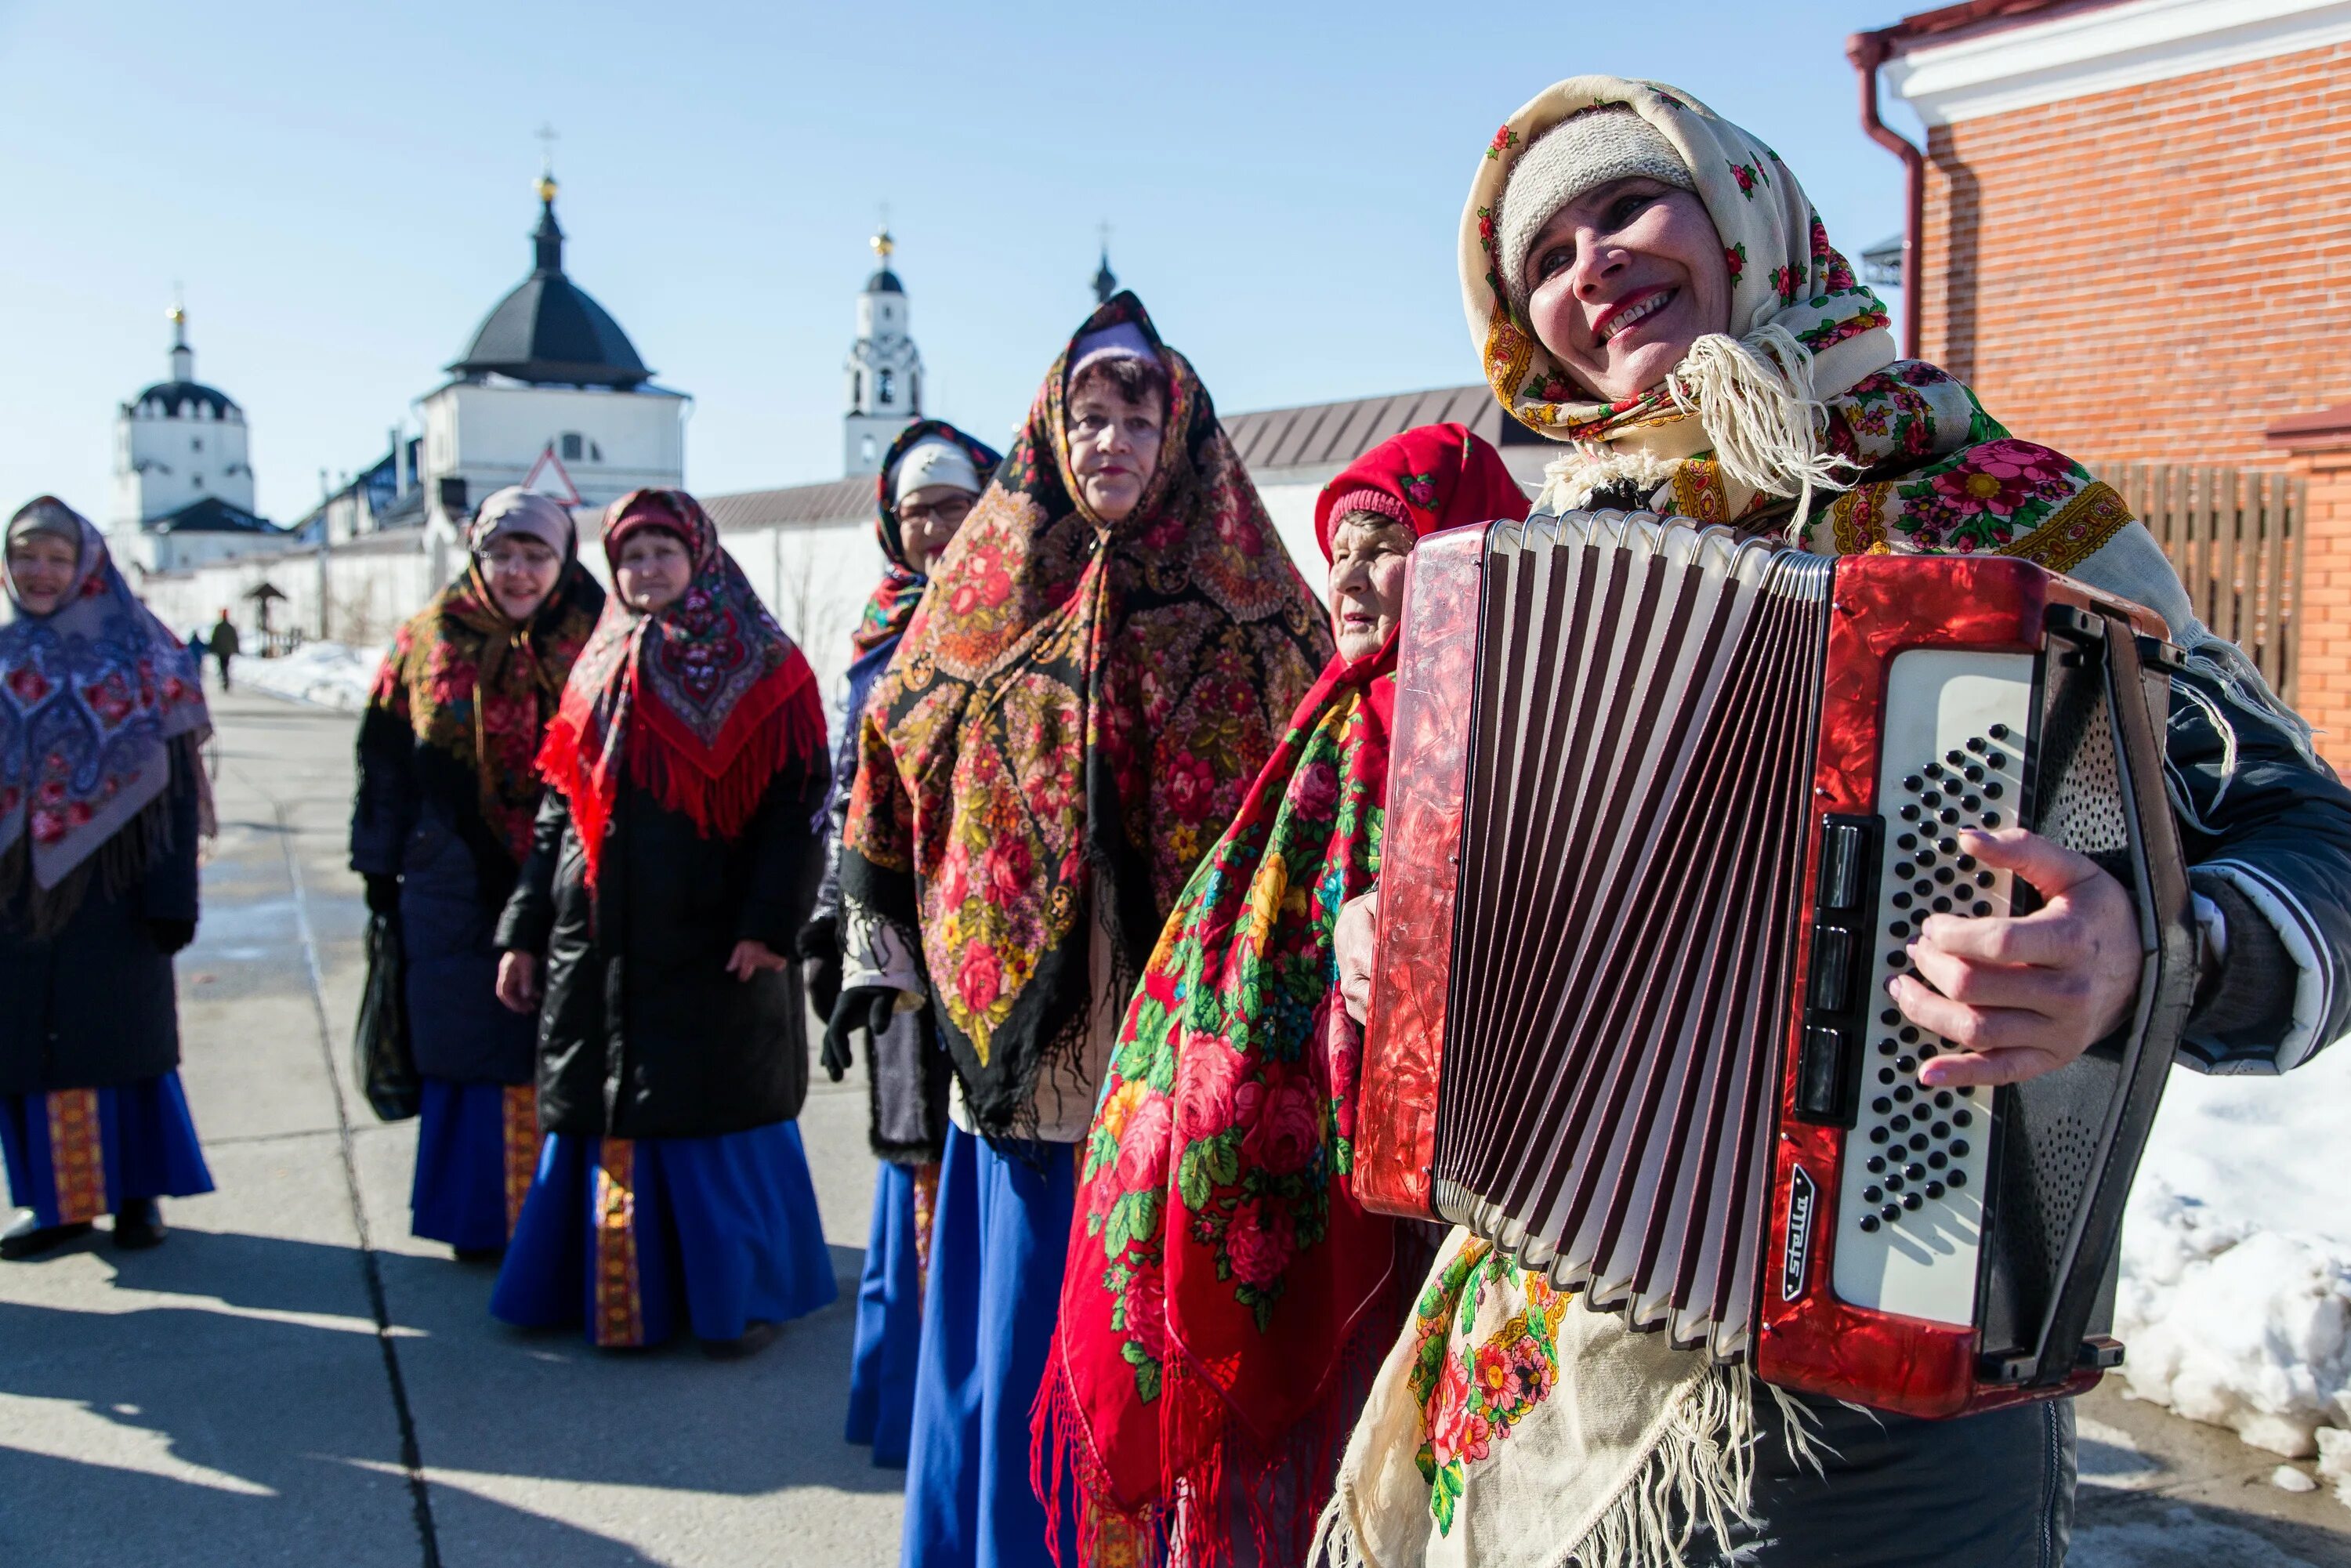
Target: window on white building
(883, 388)
(866, 452)
(196, 443)
(573, 445)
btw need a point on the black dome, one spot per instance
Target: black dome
(180, 398)
(885, 282)
(549, 330)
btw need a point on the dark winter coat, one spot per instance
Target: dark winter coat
(643, 1032)
(92, 1006)
(450, 895)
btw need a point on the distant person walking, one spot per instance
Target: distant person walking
(674, 860)
(225, 646)
(448, 785)
(98, 890)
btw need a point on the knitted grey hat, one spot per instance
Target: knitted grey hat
(1580, 152)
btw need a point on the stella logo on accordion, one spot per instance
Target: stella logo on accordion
(1664, 805)
(1798, 1254)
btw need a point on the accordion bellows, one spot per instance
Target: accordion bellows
(1664, 807)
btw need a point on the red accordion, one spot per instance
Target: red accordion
(1664, 806)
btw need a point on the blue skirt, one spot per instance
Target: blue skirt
(616, 1231)
(1000, 1239)
(476, 1147)
(76, 1154)
(890, 1310)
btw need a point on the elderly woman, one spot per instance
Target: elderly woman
(102, 796)
(930, 478)
(1099, 667)
(670, 864)
(1648, 284)
(448, 786)
(1224, 1295)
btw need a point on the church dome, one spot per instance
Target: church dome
(885, 282)
(547, 330)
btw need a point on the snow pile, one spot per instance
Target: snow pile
(326, 674)
(2235, 1301)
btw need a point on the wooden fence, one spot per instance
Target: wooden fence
(2235, 537)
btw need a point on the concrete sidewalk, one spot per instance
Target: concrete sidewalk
(293, 1380)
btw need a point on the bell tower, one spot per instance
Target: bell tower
(884, 372)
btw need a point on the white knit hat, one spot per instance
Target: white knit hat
(1578, 154)
(932, 461)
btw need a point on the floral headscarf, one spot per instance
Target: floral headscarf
(703, 702)
(466, 692)
(1221, 1268)
(96, 699)
(900, 588)
(1074, 713)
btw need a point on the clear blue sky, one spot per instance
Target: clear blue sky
(344, 190)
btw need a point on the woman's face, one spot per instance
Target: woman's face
(928, 520)
(653, 570)
(1624, 279)
(42, 567)
(522, 573)
(1368, 554)
(1114, 445)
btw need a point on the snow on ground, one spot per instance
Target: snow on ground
(326, 674)
(2235, 1303)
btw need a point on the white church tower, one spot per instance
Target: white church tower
(886, 373)
(177, 443)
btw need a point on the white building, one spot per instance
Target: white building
(183, 473)
(885, 372)
(550, 393)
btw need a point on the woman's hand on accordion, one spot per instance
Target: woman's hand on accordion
(1351, 943)
(2025, 995)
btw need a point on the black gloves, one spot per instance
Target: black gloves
(383, 894)
(819, 946)
(859, 1006)
(171, 936)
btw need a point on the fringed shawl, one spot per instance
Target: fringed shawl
(463, 699)
(98, 698)
(1072, 717)
(1220, 1269)
(703, 702)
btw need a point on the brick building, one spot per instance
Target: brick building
(2130, 232)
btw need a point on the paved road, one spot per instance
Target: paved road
(293, 1380)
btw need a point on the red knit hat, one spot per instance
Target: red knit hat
(1435, 476)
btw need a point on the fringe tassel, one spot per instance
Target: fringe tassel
(1570, 480)
(1700, 1469)
(124, 859)
(1757, 401)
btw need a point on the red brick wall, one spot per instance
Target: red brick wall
(2323, 697)
(2158, 272)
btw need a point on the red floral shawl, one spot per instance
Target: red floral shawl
(703, 702)
(1220, 1268)
(900, 588)
(1073, 716)
(465, 696)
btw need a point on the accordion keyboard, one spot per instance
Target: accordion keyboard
(1911, 1217)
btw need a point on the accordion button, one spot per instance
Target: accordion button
(1991, 819)
(1934, 1190)
(1877, 1134)
(1914, 1171)
(1904, 1064)
(1971, 802)
(1963, 1117)
(1909, 813)
(1892, 1212)
(1976, 744)
(1949, 814)
(1905, 870)
(1983, 879)
(1881, 1104)
(1894, 1182)
(1886, 1075)
(1918, 1143)
(1940, 1130)
(1924, 857)
(1980, 909)
(1948, 846)
(1997, 760)
(1900, 1123)
(1958, 1148)
(1884, 1047)
(1913, 1201)
(1943, 1099)
(1877, 1164)
(1939, 1159)
(1922, 887)
(1931, 798)
(1901, 900)
(1869, 1222)
(1873, 1195)
(1992, 790)
(1907, 842)
(1913, 783)
(1934, 770)
(1909, 1034)
(1945, 875)
(1890, 1016)
(1966, 862)
(1974, 773)
(1942, 906)
(1957, 1179)
(1956, 757)
(1997, 732)
(1897, 959)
